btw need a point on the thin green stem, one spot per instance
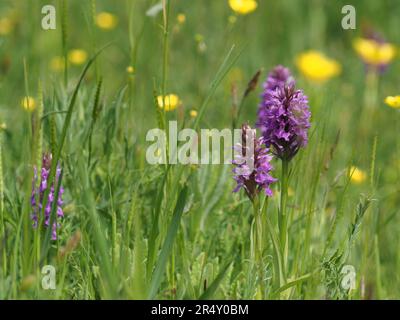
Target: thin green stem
(283, 215)
(378, 268)
(166, 9)
(2, 223)
(278, 265)
(64, 36)
(258, 246)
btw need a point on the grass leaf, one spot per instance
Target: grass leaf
(168, 244)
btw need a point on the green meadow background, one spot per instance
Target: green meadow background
(135, 231)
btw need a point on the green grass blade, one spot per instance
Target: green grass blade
(220, 75)
(168, 244)
(209, 293)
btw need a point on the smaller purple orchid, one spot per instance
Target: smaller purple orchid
(253, 176)
(38, 194)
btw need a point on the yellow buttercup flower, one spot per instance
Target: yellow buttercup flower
(357, 175)
(77, 56)
(171, 102)
(193, 113)
(6, 26)
(106, 21)
(57, 63)
(3, 126)
(130, 70)
(181, 18)
(317, 67)
(393, 101)
(28, 103)
(373, 52)
(243, 6)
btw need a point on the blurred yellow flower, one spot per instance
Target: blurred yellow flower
(171, 102)
(181, 18)
(57, 63)
(243, 6)
(130, 70)
(193, 113)
(28, 103)
(77, 56)
(3, 126)
(393, 101)
(373, 52)
(357, 175)
(106, 21)
(316, 66)
(6, 26)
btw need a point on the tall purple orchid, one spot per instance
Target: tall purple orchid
(284, 120)
(283, 115)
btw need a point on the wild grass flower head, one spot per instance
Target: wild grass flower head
(256, 176)
(38, 193)
(284, 116)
